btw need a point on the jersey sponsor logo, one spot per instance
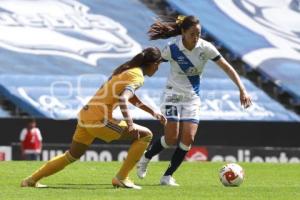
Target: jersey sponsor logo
(174, 98)
(62, 27)
(192, 71)
(257, 155)
(181, 60)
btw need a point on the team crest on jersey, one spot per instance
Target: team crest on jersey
(64, 28)
(181, 60)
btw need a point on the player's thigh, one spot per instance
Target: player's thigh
(188, 132)
(171, 132)
(106, 130)
(189, 120)
(190, 111)
(143, 131)
(171, 111)
(82, 136)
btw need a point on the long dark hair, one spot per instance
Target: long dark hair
(166, 28)
(147, 56)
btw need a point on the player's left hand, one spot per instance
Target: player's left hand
(245, 99)
(161, 118)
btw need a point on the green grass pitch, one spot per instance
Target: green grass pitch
(92, 180)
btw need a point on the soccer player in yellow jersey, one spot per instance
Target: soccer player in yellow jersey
(95, 120)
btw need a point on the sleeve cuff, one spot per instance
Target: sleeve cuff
(130, 89)
(216, 58)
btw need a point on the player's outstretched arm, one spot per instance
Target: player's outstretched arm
(245, 98)
(138, 103)
(124, 102)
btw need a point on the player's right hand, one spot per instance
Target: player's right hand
(133, 131)
(161, 118)
(245, 99)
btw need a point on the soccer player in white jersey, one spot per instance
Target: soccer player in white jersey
(181, 102)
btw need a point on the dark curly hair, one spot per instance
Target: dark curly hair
(147, 56)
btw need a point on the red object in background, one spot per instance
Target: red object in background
(2, 156)
(197, 154)
(31, 141)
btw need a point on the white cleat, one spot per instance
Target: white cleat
(142, 167)
(168, 180)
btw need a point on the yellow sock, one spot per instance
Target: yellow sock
(52, 166)
(135, 152)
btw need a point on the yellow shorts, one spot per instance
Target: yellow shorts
(86, 132)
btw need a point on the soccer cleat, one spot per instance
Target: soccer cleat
(126, 183)
(28, 182)
(142, 167)
(168, 180)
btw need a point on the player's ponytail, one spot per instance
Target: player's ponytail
(166, 28)
(147, 56)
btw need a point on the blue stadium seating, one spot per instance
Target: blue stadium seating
(55, 80)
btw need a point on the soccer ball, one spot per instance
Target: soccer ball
(231, 174)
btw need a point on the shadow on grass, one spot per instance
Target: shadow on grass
(91, 186)
(152, 185)
(75, 186)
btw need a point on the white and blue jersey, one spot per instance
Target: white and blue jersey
(181, 101)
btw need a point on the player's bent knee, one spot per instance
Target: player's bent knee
(149, 134)
(145, 132)
(147, 138)
(171, 141)
(148, 131)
